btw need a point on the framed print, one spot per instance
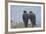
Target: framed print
(26, 16)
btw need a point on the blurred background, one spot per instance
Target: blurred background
(16, 12)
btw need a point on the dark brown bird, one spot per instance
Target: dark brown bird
(32, 18)
(25, 18)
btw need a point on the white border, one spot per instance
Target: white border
(24, 29)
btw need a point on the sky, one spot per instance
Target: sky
(17, 12)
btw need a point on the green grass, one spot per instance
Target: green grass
(19, 25)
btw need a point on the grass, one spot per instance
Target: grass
(21, 25)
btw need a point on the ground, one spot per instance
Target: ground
(21, 25)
